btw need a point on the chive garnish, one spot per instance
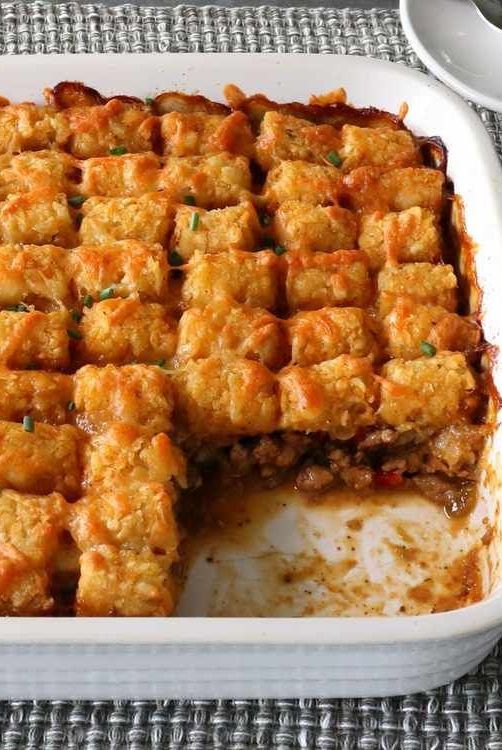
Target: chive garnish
(118, 151)
(428, 349)
(189, 200)
(160, 363)
(28, 424)
(268, 242)
(334, 158)
(175, 258)
(76, 200)
(265, 219)
(88, 300)
(106, 293)
(71, 406)
(74, 334)
(148, 100)
(194, 221)
(76, 316)
(21, 307)
(279, 249)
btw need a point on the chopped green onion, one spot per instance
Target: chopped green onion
(268, 242)
(118, 151)
(106, 293)
(189, 200)
(21, 307)
(88, 300)
(160, 363)
(76, 316)
(148, 100)
(28, 424)
(279, 249)
(175, 258)
(79, 219)
(194, 221)
(74, 334)
(76, 200)
(265, 219)
(71, 406)
(428, 349)
(334, 158)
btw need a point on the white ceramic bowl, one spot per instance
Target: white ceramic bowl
(458, 45)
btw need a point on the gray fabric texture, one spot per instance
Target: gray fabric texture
(467, 714)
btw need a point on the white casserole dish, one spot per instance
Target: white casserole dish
(185, 657)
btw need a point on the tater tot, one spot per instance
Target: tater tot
(198, 134)
(406, 237)
(219, 398)
(227, 329)
(301, 227)
(286, 137)
(126, 267)
(213, 181)
(32, 524)
(148, 218)
(326, 333)
(116, 176)
(426, 392)
(34, 339)
(32, 170)
(422, 282)
(41, 461)
(24, 587)
(370, 189)
(408, 325)
(250, 278)
(315, 184)
(124, 456)
(135, 520)
(121, 331)
(377, 147)
(337, 396)
(40, 217)
(96, 130)
(336, 279)
(27, 127)
(45, 396)
(199, 231)
(137, 395)
(34, 274)
(124, 583)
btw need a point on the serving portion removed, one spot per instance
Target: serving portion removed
(213, 316)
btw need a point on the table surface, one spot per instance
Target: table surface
(362, 4)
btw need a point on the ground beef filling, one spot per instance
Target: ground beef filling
(442, 465)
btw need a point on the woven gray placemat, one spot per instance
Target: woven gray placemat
(467, 714)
